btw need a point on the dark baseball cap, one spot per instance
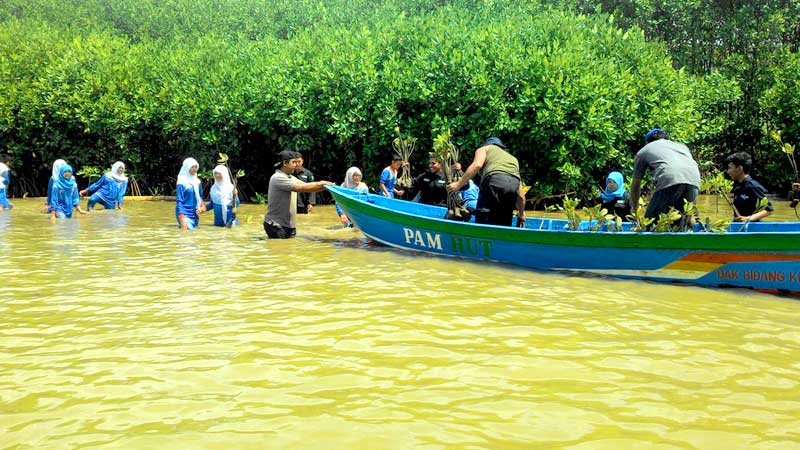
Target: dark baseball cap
(495, 141)
(287, 155)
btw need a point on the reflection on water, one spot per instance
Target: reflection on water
(119, 331)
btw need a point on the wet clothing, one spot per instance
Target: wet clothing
(388, 179)
(305, 198)
(5, 180)
(186, 204)
(281, 206)
(746, 195)
(107, 191)
(57, 165)
(671, 197)
(222, 219)
(670, 162)
(497, 199)
(64, 195)
(431, 188)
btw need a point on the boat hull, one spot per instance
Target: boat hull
(765, 257)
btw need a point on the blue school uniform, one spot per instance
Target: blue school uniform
(388, 179)
(186, 204)
(6, 182)
(218, 220)
(470, 196)
(107, 191)
(64, 195)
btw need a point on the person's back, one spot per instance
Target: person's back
(670, 162)
(500, 161)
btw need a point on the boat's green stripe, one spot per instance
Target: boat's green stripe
(664, 241)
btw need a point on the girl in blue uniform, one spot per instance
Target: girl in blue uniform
(5, 180)
(64, 195)
(222, 196)
(109, 190)
(188, 196)
(352, 180)
(57, 165)
(615, 198)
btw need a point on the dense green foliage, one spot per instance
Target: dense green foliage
(753, 43)
(151, 82)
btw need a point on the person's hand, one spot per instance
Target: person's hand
(457, 166)
(399, 191)
(326, 183)
(310, 207)
(119, 207)
(345, 220)
(235, 192)
(45, 208)
(741, 218)
(521, 219)
(82, 193)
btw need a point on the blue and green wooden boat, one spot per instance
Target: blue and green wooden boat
(762, 256)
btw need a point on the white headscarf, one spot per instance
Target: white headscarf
(3, 169)
(191, 181)
(57, 165)
(113, 174)
(222, 191)
(350, 182)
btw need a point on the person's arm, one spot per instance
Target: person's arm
(121, 194)
(473, 169)
(76, 201)
(636, 191)
(314, 186)
(520, 207)
(49, 199)
(759, 193)
(94, 186)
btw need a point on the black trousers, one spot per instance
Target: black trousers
(497, 199)
(275, 231)
(672, 196)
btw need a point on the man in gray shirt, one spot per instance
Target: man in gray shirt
(279, 222)
(674, 170)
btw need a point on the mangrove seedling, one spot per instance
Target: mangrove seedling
(570, 209)
(404, 146)
(716, 226)
(640, 222)
(788, 150)
(665, 222)
(90, 172)
(597, 217)
(761, 205)
(447, 153)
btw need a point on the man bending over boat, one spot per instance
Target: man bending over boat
(500, 187)
(279, 222)
(747, 192)
(674, 170)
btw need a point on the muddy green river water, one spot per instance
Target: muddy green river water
(119, 331)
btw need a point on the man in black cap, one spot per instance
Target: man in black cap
(500, 187)
(675, 174)
(279, 222)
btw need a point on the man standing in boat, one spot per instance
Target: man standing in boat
(500, 187)
(279, 222)
(747, 192)
(675, 174)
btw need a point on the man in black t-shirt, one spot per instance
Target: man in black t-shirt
(746, 191)
(305, 200)
(431, 185)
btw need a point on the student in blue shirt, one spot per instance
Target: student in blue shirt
(57, 165)
(222, 196)
(389, 178)
(64, 195)
(109, 190)
(5, 180)
(188, 196)
(352, 180)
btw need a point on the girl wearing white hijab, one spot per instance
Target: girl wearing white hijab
(352, 180)
(222, 197)
(188, 196)
(5, 179)
(57, 165)
(110, 189)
